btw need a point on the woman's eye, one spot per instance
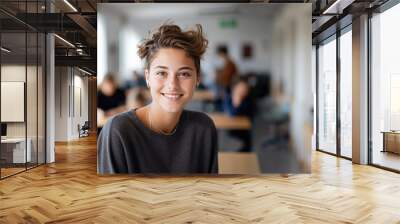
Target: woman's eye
(185, 74)
(161, 73)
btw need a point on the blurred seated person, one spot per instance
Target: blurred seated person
(225, 74)
(135, 99)
(136, 81)
(110, 98)
(239, 103)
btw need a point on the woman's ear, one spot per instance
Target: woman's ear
(146, 76)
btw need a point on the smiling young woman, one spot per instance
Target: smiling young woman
(162, 137)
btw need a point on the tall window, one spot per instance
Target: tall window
(385, 89)
(327, 96)
(346, 93)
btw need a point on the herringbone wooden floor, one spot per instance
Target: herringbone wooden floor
(70, 191)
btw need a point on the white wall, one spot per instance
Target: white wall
(292, 64)
(107, 40)
(61, 103)
(102, 56)
(67, 114)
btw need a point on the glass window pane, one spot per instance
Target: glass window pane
(346, 94)
(14, 153)
(31, 96)
(327, 97)
(41, 98)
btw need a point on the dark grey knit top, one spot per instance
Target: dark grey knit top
(126, 145)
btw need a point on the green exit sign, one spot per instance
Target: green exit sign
(228, 23)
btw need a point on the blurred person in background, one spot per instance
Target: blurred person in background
(110, 98)
(240, 103)
(228, 71)
(135, 98)
(225, 73)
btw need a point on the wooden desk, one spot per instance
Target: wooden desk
(238, 163)
(224, 121)
(203, 95)
(13, 150)
(391, 141)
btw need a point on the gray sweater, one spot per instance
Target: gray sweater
(126, 145)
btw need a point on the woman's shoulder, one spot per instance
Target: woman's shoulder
(199, 119)
(120, 121)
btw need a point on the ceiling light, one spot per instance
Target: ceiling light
(338, 6)
(70, 5)
(84, 71)
(64, 40)
(331, 7)
(5, 50)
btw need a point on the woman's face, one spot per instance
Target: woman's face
(172, 78)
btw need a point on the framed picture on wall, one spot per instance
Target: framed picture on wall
(247, 51)
(12, 101)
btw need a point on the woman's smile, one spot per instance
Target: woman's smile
(172, 96)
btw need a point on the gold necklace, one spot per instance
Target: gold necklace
(159, 130)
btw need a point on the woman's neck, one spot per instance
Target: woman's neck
(161, 121)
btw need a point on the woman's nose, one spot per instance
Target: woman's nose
(172, 81)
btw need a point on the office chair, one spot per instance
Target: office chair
(84, 130)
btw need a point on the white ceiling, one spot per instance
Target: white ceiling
(144, 11)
